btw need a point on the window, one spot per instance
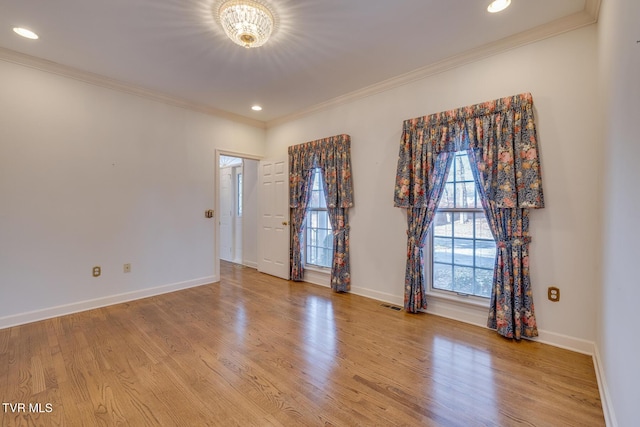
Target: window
(319, 236)
(463, 249)
(239, 193)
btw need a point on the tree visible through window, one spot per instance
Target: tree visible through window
(318, 236)
(463, 248)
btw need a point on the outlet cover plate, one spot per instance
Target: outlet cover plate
(553, 293)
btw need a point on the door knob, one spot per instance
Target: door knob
(285, 223)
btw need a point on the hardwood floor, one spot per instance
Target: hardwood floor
(254, 350)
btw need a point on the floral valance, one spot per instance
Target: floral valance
(333, 156)
(501, 131)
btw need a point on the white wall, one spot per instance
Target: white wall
(618, 343)
(250, 213)
(561, 73)
(91, 176)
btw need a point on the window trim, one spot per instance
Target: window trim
(303, 246)
(318, 268)
(428, 250)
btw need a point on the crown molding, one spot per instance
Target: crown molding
(12, 56)
(588, 16)
(592, 7)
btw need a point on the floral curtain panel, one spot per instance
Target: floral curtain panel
(333, 156)
(418, 220)
(298, 213)
(500, 137)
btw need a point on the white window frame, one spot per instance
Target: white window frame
(441, 293)
(429, 263)
(309, 266)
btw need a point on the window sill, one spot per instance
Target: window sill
(316, 269)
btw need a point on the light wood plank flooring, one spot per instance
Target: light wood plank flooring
(254, 350)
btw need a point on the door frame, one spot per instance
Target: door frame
(216, 202)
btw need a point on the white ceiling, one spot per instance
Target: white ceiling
(322, 49)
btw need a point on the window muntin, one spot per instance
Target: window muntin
(463, 249)
(318, 245)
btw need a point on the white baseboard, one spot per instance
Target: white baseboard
(323, 278)
(377, 295)
(251, 264)
(477, 315)
(605, 397)
(564, 341)
(61, 310)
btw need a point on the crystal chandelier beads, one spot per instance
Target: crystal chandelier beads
(247, 23)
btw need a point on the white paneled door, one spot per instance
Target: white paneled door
(273, 227)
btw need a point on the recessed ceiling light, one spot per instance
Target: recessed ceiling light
(25, 33)
(498, 5)
(256, 108)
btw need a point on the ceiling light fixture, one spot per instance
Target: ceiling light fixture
(498, 6)
(246, 22)
(256, 108)
(25, 33)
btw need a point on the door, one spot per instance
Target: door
(273, 226)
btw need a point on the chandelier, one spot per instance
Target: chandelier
(246, 22)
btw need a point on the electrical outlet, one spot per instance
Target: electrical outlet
(553, 294)
(127, 268)
(97, 271)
